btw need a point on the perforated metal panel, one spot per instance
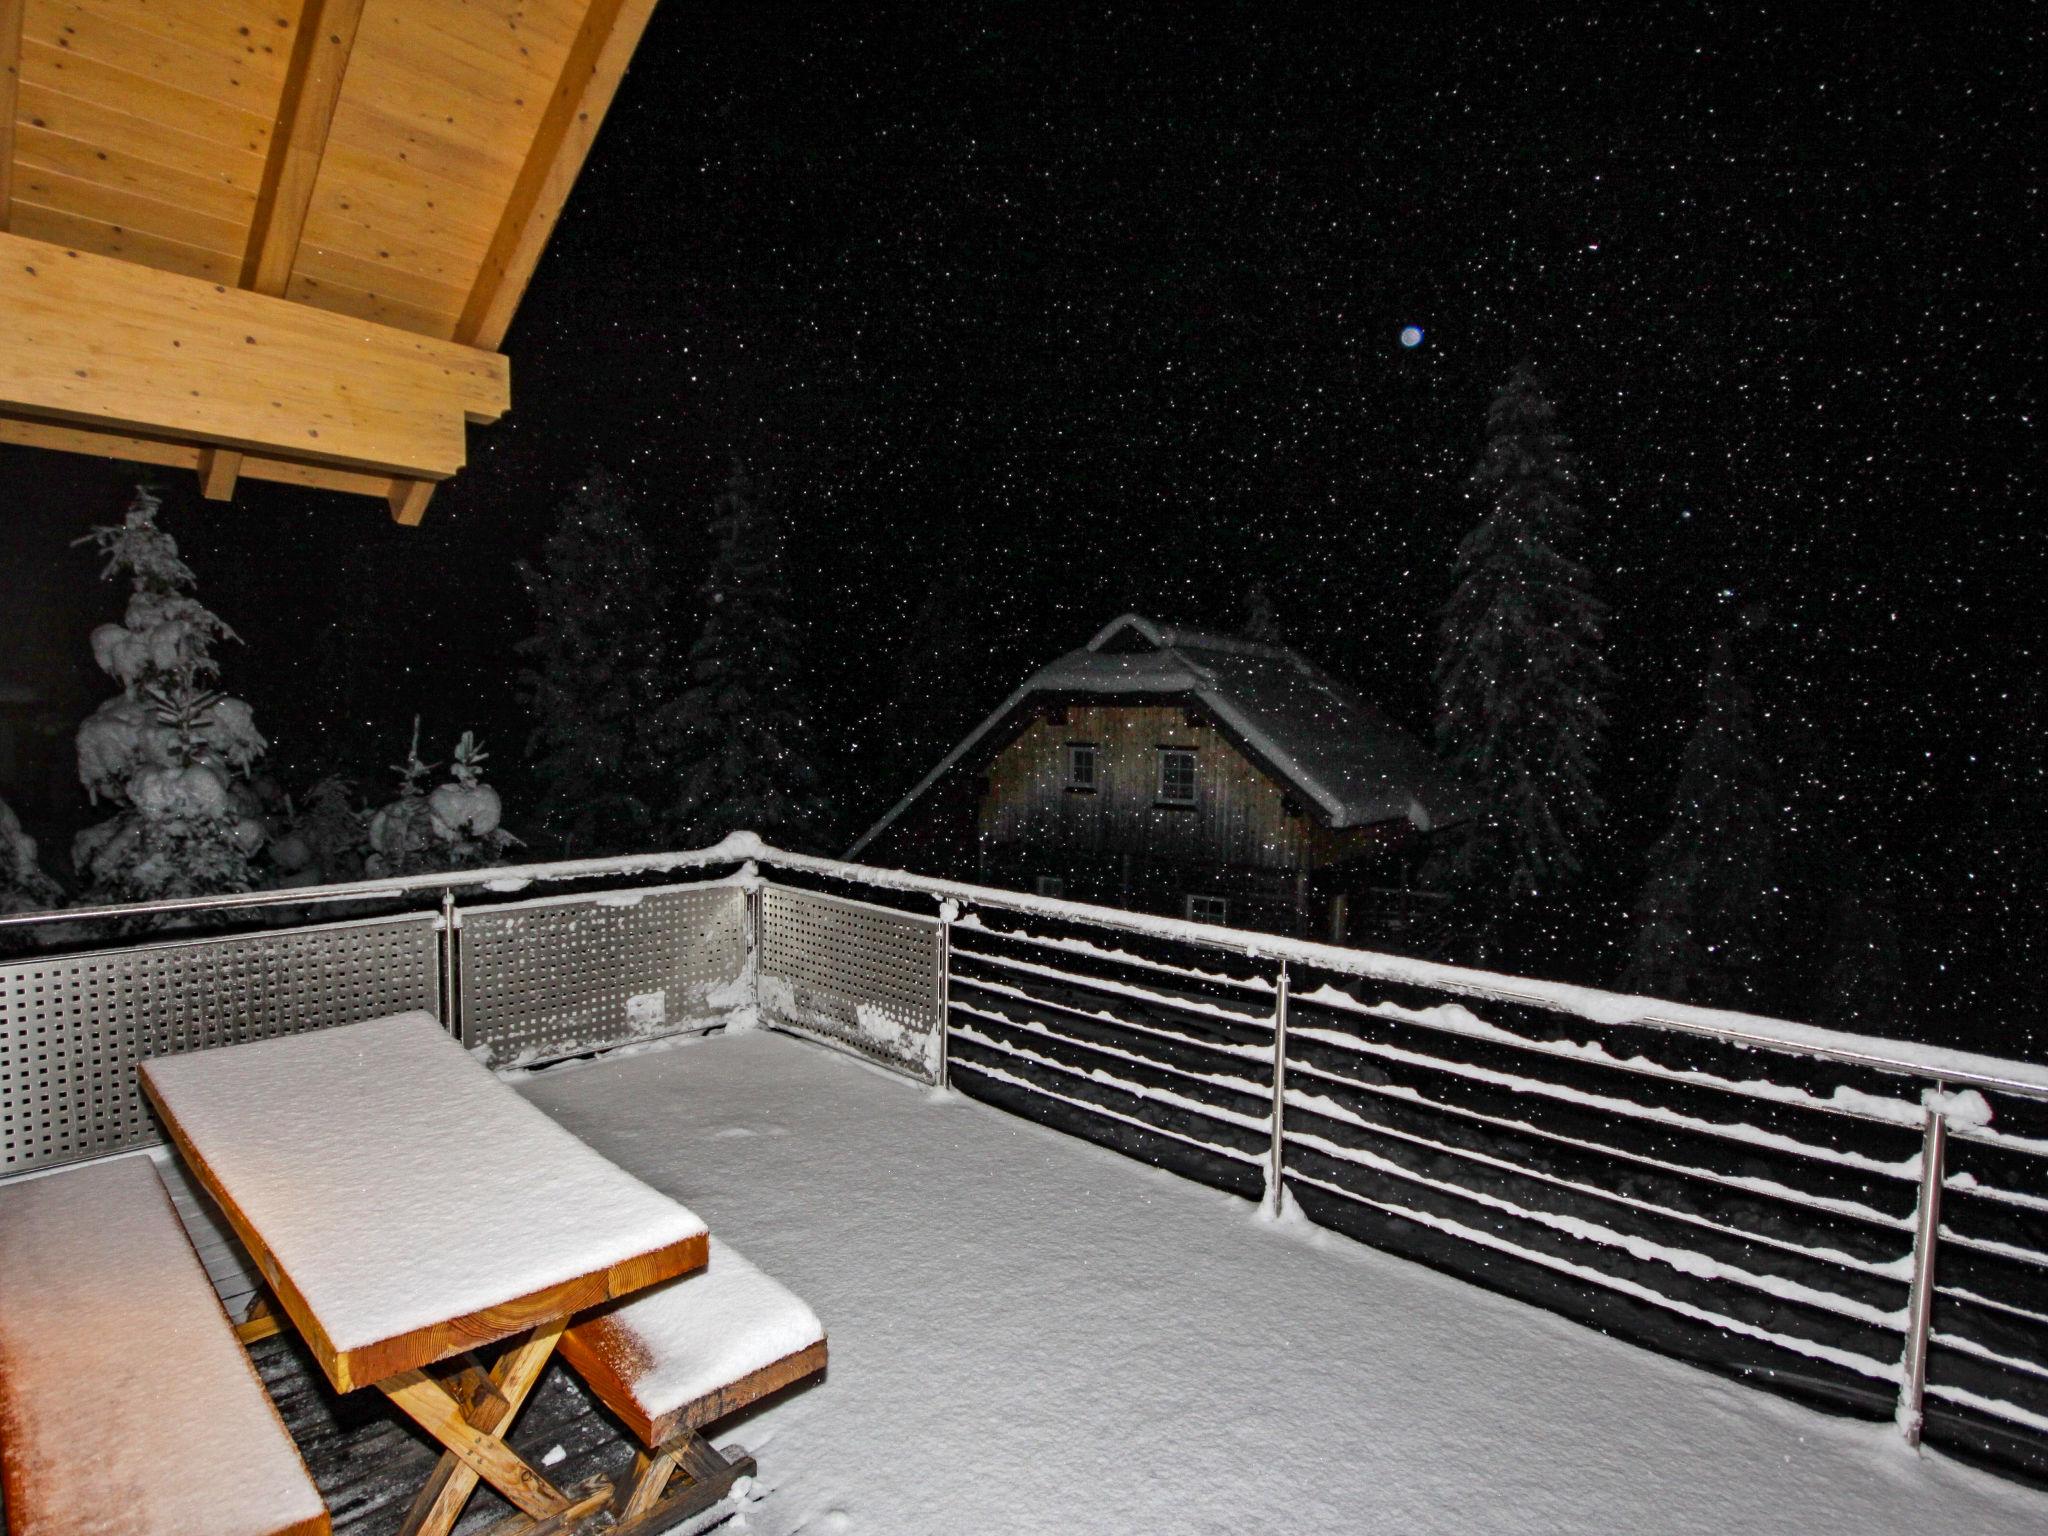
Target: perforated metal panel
(73, 1027)
(557, 977)
(863, 976)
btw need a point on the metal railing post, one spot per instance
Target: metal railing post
(1276, 1161)
(752, 894)
(451, 1006)
(1920, 1304)
(948, 910)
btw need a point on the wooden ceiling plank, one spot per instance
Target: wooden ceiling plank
(126, 209)
(40, 149)
(260, 36)
(97, 122)
(590, 77)
(111, 345)
(219, 74)
(61, 226)
(160, 103)
(324, 39)
(10, 91)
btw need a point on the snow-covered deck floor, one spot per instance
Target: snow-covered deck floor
(1030, 1334)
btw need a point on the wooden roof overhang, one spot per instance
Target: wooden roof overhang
(283, 239)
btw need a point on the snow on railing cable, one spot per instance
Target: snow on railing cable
(1683, 1260)
(1730, 1130)
(1848, 1359)
(1900, 1268)
(1749, 1184)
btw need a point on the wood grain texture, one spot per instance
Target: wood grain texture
(374, 1363)
(143, 450)
(488, 1402)
(10, 89)
(587, 1349)
(110, 345)
(427, 1403)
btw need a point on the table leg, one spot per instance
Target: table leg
(473, 1428)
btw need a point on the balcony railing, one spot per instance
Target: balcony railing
(1859, 1222)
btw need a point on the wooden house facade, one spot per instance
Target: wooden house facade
(1176, 771)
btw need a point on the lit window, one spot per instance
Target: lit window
(1051, 885)
(1083, 766)
(1208, 909)
(1176, 776)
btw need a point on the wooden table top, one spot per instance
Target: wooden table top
(403, 1204)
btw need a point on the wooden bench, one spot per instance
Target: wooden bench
(685, 1354)
(126, 1402)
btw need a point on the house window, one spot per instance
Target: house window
(1051, 885)
(1208, 909)
(1176, 776)
(1084, 765)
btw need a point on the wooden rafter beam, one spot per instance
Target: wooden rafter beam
(10, 90)
(186, 456)
(96, 342)
(583, 94)
(298, 141)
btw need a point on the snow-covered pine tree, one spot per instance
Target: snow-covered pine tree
(171, 752)
(1261, 617)
(1520, 675)
(23, 885)
(323, 838)
(743, 722)
(453, 826)
(602, 674)
(1713, 899)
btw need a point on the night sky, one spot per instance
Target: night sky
(1065, 313)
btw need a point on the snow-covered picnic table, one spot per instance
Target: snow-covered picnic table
(404, 1208)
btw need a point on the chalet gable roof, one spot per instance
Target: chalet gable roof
(1308, 727)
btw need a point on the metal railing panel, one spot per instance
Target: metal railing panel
(861, 976)
(74, 1027)
(564, 976)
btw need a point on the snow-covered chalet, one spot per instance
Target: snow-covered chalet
(1171, 770)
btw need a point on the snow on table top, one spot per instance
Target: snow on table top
(125, 1400)
(1005, 1300)
(396, 1182)
(687, 1338)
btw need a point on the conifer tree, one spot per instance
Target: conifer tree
(1713, 900)
(1520, 675)
(743, 726)
(602, 671)
(170, 751)
(23, 885)
(1261, 617)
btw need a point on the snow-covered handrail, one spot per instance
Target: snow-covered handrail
(1933, 1064)
(1936, 1064)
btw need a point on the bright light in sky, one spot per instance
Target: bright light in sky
(1411, 335)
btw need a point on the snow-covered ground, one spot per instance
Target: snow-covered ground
(1030, 1334)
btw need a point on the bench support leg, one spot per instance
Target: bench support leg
(472, 1422)
(261, 1320)
(653, 1506)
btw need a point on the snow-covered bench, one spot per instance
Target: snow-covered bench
(126, 1402)
(670, 1360)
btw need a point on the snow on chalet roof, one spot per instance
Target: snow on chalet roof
(1315, 732)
